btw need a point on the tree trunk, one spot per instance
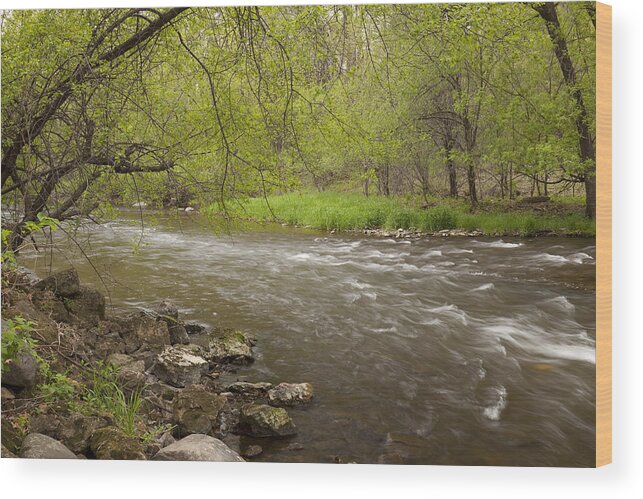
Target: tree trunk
(547, 12)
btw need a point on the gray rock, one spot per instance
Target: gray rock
(87, 306)
(180, 365)
(143, 331)
(260, 420)
(290, 394)
(39, 446)
(198, 447)
(21, 371)
(195, 328)
(167, 310)
(6, 453)
(132, 372)
(251, 389)
(196, 410)
(252, 451)
(64, 283)
(178, 335)
(73, 430)
(7, 394)
(231, 347)
(112, 443)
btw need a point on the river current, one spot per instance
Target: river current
(472, 351)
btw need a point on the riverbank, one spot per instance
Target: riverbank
(378, 215)
(78, 383)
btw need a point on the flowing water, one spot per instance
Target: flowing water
(435, 351)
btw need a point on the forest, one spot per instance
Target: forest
(300, 234)
(358, 117)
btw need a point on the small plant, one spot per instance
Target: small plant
(16, 340)
(58, 387)
(106, 395)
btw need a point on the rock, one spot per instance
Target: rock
(198, 447)
(295, 446)
(260, 420)
(180, 365)
(143, 331)
(21, 371)
(51, 305)
(39, 446)
(289, 394)
(178, 335)
(112, 443)
(7, 454)
(64, 283)
(196, 410)
(167, 310)
(12, 436)
(166, 439)
(105, 339)
(195, 328)
(7, 394)
(139, 204)
(189, 209)
(131, 377)
(232, 347)
(87, 306)
(252, 451)
(73, 430)
(251, 389)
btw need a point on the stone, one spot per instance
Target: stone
(251, 389)
(167, 310)
(181, 365)
(290, 394)
(39, 446)
(21, 371)
(197, 447)
(143, 331)
(87, 306)
(233, 347)
(12, 436)
(195, 328)
(178, 335)
(64, 283)
(196, 410)
(112, 443)
(7, 394)
(131, 377)
(73, 430)
(252, 451)
(7, 454)
(260, 420)
(51, 305)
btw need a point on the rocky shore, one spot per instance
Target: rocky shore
(79, 384)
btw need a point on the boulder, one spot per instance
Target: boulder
(87, 306)
(12, 436)
(7, 394)
(289, 394)
(51, 305)
(39, 446)
(232, 347)
(196, 410)
(143, 331)
(111, 443)
(181, 365)
(260, 420)
(178, 335)
(198, 447)
(64, 283)
(167, 310)
(21, 371)
(250, 389)
(7, 454)
(131, 377)
(252, 451)
(72, 429)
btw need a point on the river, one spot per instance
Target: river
(472, 351)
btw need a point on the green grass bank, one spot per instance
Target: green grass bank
(351, 211)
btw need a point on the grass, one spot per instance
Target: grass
(349, 211)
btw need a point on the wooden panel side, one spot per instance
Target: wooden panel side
(603, 234)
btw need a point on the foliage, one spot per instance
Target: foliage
(16, 340)
(106, 395)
